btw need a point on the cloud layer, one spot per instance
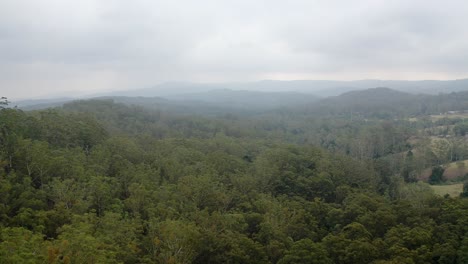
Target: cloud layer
(63, 46)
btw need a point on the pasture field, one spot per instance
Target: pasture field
(451, 116)
(452, 171)
(456, 169)
(453, 190)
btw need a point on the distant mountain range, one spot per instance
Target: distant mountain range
(259, 95)
(316, 87)
(387, 103)
(41, 103)
(211, 102)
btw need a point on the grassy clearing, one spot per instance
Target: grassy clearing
(452, 171)
(453, 190)
(456, 169)
(438, 117)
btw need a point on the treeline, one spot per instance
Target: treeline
(101, 182)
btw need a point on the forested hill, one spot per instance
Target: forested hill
(247, 99)
(387, 103)
(370, 103)
(206, 103)
(220, 102)
(98, 181)
(380, 102)
(375, 102)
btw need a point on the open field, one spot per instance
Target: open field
(453, 190)
(435, 118)
(456, 169)
(452, 171)
(459, 115)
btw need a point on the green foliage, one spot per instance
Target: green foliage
(306, 251)
(3, 102)
(461, 129)
(465, 190)
(101, 182)
(19, 245)
(436, 175)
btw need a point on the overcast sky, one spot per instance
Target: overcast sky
(65, 47)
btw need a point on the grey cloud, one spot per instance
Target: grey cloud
(380, 35)
(62, 45)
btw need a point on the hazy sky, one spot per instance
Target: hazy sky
(65, 47)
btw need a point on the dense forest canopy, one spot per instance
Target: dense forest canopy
(146, 180)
